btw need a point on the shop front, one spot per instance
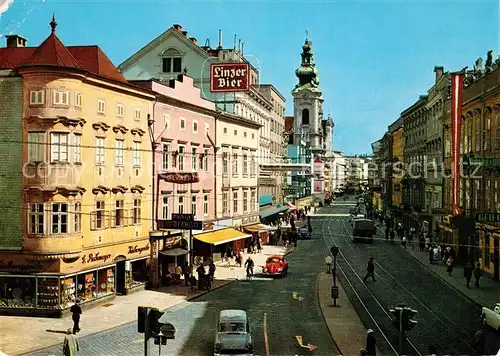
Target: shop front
(489, 246)
(448, 234)
(260, 231)
(174, 252)
(214, 244)
(51, 287)
(303, 202)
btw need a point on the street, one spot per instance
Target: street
(445, 317)
(290, 303)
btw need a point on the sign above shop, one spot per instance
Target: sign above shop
(179, 177)
(488, 218)
(20, 267)
(180, 225)
(137, 249)
(95, 257)
(182, 217)
(229, 77)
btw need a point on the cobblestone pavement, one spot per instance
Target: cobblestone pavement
(290, 303)
(446, 318)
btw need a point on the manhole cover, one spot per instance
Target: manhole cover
(107, 305)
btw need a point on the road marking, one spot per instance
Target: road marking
(296, 296)
(300, 340)
(266, 341)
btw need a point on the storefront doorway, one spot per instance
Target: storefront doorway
(120, 276)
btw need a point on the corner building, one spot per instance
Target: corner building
(79, 215)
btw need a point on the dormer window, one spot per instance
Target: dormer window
(172, 61)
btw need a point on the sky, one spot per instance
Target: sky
(374, 57)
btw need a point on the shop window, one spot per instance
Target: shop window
(119, 213)
(36, 225)
(59, 218)
(17, 292)
(86, 287)
(165, 207)
(181, 205)
(136, 214)
(136, 273)
(78, 217)
(68, 292)
(48, 293)
(205, 204)
(194, 206)
(105, 282)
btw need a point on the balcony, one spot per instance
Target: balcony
(46, 174)
(54, 246)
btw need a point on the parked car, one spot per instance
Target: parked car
(275, 266)
(491, 317)
(234, 336)
(303, 233)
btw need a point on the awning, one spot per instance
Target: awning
(258, 228)
(272, 210)
(222, 236)
(174, 252)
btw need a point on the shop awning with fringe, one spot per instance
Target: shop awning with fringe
(221, 236)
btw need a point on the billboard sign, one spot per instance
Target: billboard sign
(180, 224)
(229, 77)
(179, 177)
(318, 167)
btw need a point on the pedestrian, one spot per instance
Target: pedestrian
(431, 255)
(249, 266)
(70, 344)
(403, 241)
(259, 245)
(370, 269)
(477, 274)
(449, 265)
(480, 342)
(421, 243)
(393, 236)
(76, 312)
(178, 272)
(371, 343)
(387, 234)
(211, 270)
(187, 272)
(201, 274)
(362, 352)
(468, 274)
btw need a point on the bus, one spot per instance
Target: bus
(363, 230)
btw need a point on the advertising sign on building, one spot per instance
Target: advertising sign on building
(179, 177)
(229, 77)
(318, 166)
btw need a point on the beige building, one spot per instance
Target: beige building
(237, 169)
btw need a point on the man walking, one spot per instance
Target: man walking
(371, 343)
(370, 269)
(70, 344)
(468, 274)
(76, 311)
(477, 274)
(249, 266)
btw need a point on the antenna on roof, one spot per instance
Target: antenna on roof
(234, 47)
(207, 42)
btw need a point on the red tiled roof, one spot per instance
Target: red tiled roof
(11, 58)
(288, 123)
(52, 53)
(93, 59)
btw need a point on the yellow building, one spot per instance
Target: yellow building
(397, 165)
(86, 181)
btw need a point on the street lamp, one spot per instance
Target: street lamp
(335, 290)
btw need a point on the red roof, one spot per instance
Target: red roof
(53, 53)
(288, 124)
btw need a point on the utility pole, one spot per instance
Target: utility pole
(335, 290)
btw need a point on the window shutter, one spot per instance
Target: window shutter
(110, 219)
(93, 218)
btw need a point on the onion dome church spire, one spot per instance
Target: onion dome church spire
(307, 73)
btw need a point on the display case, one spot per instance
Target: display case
(48, 293)
(106, 281)
(86, 286)
(17, 292)
(68, 292)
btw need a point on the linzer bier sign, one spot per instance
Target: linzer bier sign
(229, 77)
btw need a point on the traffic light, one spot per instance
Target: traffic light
(160, 340)
(396, 314)
(142, 314)
(153, 319)
(408, 322)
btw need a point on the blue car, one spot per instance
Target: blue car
(304, 233)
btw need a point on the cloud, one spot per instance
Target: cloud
(4, 5)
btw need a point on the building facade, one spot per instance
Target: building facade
(84, 208)
(339, 174)
(396, 167)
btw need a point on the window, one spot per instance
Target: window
(36, 217)
(99, 150)
(477, 121)
(225, 200)
(205, 159)
(137, 114)
(205, 204)
(119, 110)
(225, 130)
(245, 134)
(59, 218)
(195, 127)
(37, 97)
(181, 157)
(78, 100)
(60, 98)
(77, 217)
(193, 206)
(119, 213)
(245, 164)
(99, 215)
(101, 106)
(252, 165)
(166, 118)
(166, 149)
(245, 201)
(225, 159)
(119, 152)
(181, 205)
(235, 202)
(172, 65)
(183, 123)
(136, 153)
(235, 163)
(194, 152)
(235, 132)
(77, 148)
(305, 117)
(35, 146)
(59, 146)
(253, 200)
(165, 207)
(253, 136)
(136, 213)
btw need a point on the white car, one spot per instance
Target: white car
(491, 317)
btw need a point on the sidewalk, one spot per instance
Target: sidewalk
(486, 296)
(23, 335)
(343, 321)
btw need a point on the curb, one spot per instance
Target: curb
(323, 314)
(188, 298)
(444, 279)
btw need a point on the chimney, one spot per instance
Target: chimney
(177, 27)
(220, 39)
(439, 70)
(185, 33)
(194, 40)
(234, 47)
(16, 41)
(239, 45)
(242, 47)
